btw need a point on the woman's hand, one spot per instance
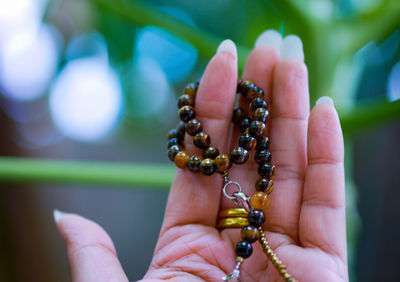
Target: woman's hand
(305, 222)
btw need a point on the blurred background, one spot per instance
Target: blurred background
(91, 85)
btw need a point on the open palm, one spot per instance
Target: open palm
(305, 222)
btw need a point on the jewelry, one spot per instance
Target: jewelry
(212, 161)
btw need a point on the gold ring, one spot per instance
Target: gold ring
(232, 222)
(239, 212)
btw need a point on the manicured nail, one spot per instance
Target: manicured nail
(227, 46)
(57, 215)
(292, 48)
(325, 100)
(269, 37)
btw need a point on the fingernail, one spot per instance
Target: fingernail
(325, 100)
(292, 48)
(269, 37)
(227, 46)
(57, 215)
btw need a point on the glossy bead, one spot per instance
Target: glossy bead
(262, 142)
(244, 249)
(267, 170)
(172, 134)
(261, 114)
(193, 127)
(244, 124)
(207, 166)
(259, 200)
(222, 163)
(181, 159)
(255, 92)
(244, 86)
(180, 131)
(238, 115)
(262, 156)
(194, 164)
(185, 100)
(247, 141)
(258, 103)
(172, 142)
(210, 153)
(191, 89)
(264, 185)
(172, 151)
(239, 155)
(186, 113)
(256, 218)
(201, 140)
(256, 128)
(249, 233)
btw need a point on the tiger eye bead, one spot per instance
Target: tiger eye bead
(193, 127)
(238, 115)
(244, 124)
(194, 164)
(180, 131)
(172, 142)
(261, 114)
(201, 140)
(172, 134)
(256, 218)
(249, 233)
(244, 86)
(256, 128)
(258, 103)
(259, 200)
(247, 141)
(186, 113)
(239, 155)
(222, 163)
(267, 170)
(207, 166)
(191, 89)
(262, 156)
(264, 185)
(210, 153)
(255, 92)
(173, 151)
(181, 159)
(243, 249)
(185, 100)
(262, 142)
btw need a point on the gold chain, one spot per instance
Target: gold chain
(273, 257)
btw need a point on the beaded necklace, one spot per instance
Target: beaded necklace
(253, 129)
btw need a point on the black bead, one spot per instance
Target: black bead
(262, 142)
(239, 155)
(194, 164)
(244, 249)
(186, 113)
(258, 103)
(262, 156)
(238, 115)
(210, 153)
(193, 127)
(172, 134)
(256, 218)
(256, 128)
(247, 141)
(261, 114)
(185, 100)
(207, 167)
(172, 142)
(172, 151)
(180, 131)
(244, 124)
(254, 92)
(267, 170)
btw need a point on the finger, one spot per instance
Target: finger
(322, 219)
(194, 198)
(91, 253)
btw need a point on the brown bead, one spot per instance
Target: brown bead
(181, 159)
(238, 115)
(244, 124)
(262, 142)
(267, 170)
(264, 185)
(185, 100)
(259, 200)
(172, 134)
(194, 164)
(173, 151)
(180, 131)
(191, 89)
(207, 166)
(193, 127)
(186, 113)
(239, 155)
(255, 92)
(247, 141)
(261, 114)
(222, 163)
(210, 153)
(256, 128)
(244, 86)
(262, 156)
(250, 233)
(258, 103)
(172, 142)
(201, 140)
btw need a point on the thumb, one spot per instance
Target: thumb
(91, 253)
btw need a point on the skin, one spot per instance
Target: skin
(305, 222)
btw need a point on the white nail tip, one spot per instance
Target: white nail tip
(227, 46)
(292, 48)
(270, 38)
(57, 215)
(325, 100)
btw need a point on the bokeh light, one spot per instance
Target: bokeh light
(393, 84)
